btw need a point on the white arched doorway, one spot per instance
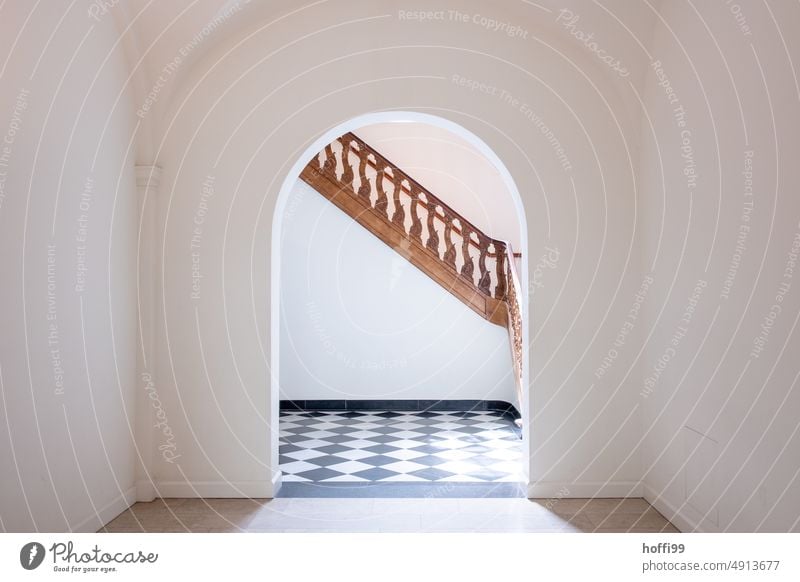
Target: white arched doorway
(277, 232)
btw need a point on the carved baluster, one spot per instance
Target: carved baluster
(399, 216)
(433, 236)
(416, 223)
(347, 175)
(364, 189)
(450, 249)
(382, 202)
(485, 282)
(329, 166)
(500, 270)
(468, 267)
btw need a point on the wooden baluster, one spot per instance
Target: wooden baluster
(329, 166)
(468, 267)
(433, 236)
(450, 249)
(364, 189)
(399, 216)
(485, 282)
(382, 202)
(416, 224)
(500, 270)
(347, 175)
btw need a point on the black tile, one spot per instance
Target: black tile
(339, 439)
(327, 460)
(488, 474)
(386, 429)
(319, 474)
(427, 430)
(378, 460)
(476, 449)
(432, 474)
(429, 449)
(389, 414)
(288, 448)
(332, 449)
(469, 430)
(385, 438)
(380, 449)
(428, 460)
(342, 429)
(375, 474)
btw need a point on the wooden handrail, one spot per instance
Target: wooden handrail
(408, 190)
(441, 217)
(431, 234)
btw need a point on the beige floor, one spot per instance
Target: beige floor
(391, 515)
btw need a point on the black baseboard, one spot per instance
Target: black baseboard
(506, 408)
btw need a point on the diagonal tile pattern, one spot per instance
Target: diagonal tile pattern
(398, 447)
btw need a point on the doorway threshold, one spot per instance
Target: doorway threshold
(403, 490)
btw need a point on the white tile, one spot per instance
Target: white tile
(454, 455)
(319, 434)
(452, 444)
(406, 425)
(297, 467)
(408, 434)
(345, 479)
(510, 467)
(460, 467)
(304, 454)
(355, 454)
(503, 444)
(491, 426)
(404, 466)
(325, 425)
(358, 444)
(492, 434)
(312, 444)
(504, 454)
(447, 425)
(407, 444)
(404, 454)
(350, 467)
(363, 434)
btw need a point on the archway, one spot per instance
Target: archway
(288, 184)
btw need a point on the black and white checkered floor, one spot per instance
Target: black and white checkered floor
(399, 447)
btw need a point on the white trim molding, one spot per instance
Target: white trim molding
(106, 513)
(216, 489)
(679, 518)
(584, 489)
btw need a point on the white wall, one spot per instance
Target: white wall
(387, 332)
(453, 170)
(721, 415)
(67, 203)
(247, 111)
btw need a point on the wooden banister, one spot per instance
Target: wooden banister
(476, 268)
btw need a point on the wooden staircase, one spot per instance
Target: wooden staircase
(474, 267)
